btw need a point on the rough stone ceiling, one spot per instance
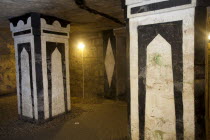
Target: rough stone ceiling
(81, 20)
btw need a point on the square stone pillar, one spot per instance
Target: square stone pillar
(109, 49)
(167, 69)
(42, 66)
(121, 62)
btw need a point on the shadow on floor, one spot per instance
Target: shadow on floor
(93, 119)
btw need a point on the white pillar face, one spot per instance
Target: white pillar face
(167, 69)
(43, 73)
(58, 106)
(27, 109)
(160, 106)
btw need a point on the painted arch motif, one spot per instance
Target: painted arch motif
(161, 81)
(159, 91)
(56, 71)
(26, 94)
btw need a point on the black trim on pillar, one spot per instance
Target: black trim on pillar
(109, 91)
(27, 47)
(172, 32)
(159, 6)
(204, 3)
(56, 33)
(22, 32)
(24, 18)
(50, 47)
(128, 77)
(49, 19)
(199, 69)
(36, 31)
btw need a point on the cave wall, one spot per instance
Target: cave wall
(7, 63)
(93, 65)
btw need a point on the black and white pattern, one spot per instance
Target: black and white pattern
(41, 66)
(167, 69)
(148, 7)
(109, 63)
(159, 5)
(56, 78)
(159, 74)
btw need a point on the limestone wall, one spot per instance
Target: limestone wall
(7, 63)
(93, 65)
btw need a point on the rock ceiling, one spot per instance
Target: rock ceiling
(81, 20)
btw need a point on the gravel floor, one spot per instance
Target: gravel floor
(94, 119)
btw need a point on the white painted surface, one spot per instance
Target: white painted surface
(59, 39)
(187, 16)
(67, 74)
(44, 39)
(56, 26)
(58, 104)
(17, 77)
(26, 85)
(19, 40)
(45, 78)
(109, 62)
(160, 106)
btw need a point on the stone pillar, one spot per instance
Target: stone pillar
(121, 70)
(167, 69)
(109, 49)
(42, 66)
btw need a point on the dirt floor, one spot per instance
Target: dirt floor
(94, 119)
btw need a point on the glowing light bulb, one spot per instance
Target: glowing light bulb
(81, 46)
(209, 37)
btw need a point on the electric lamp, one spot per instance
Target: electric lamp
(81, 46)
(209, 38)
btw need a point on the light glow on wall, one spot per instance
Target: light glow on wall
(81, 47)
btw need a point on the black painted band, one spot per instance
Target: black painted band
(49, 19)
(56, 33)
(199, 72)
(158, 6)
(36, 23)
(22, 32)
